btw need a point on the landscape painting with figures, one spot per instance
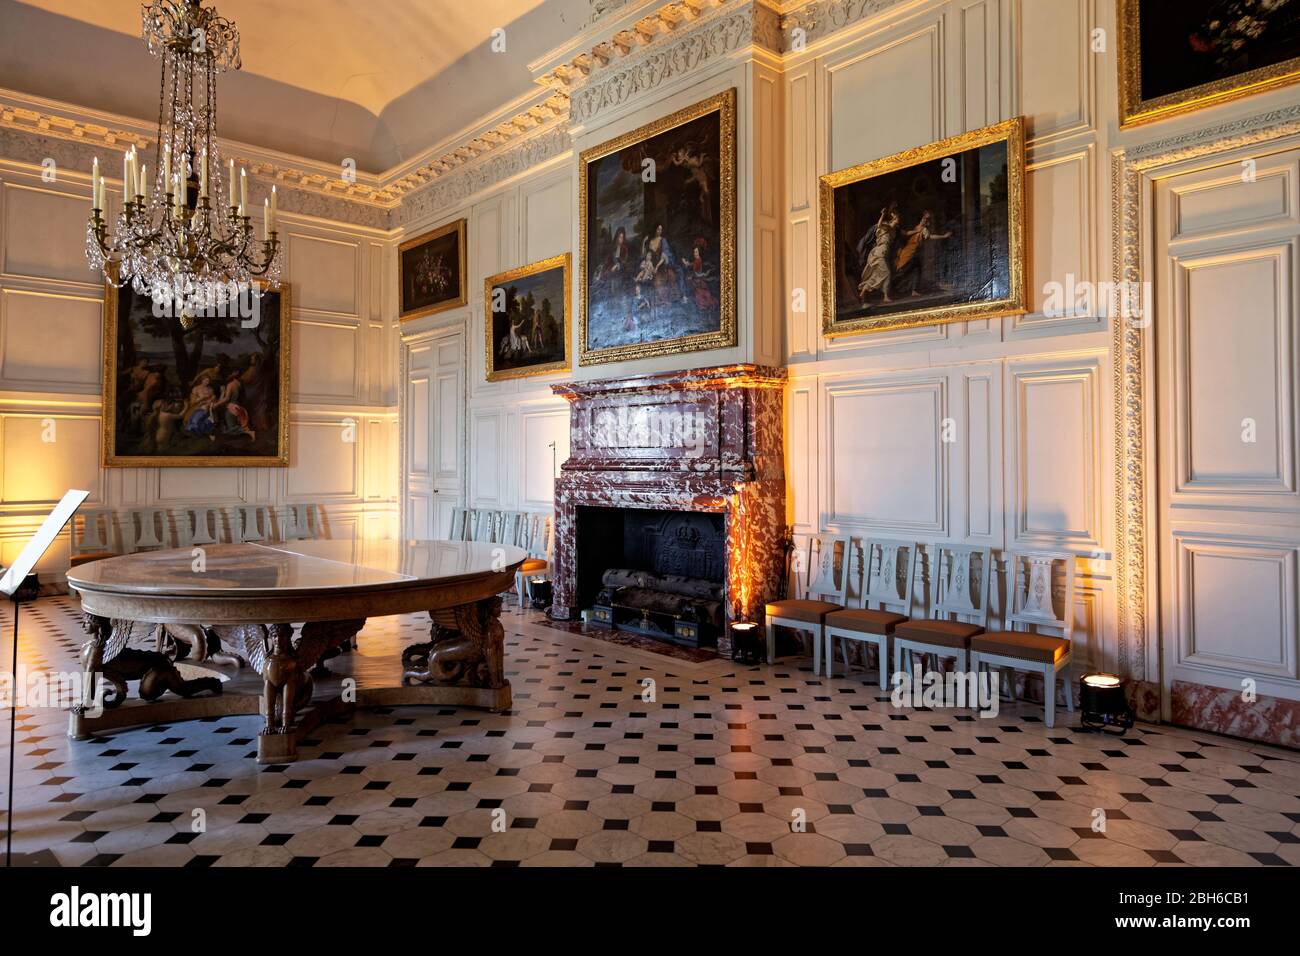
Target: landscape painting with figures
(205, 389)
(658, 237)
(1181, 55)
(432, 271)
(527, 327)
(930, 235)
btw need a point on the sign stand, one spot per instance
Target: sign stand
(19, 584)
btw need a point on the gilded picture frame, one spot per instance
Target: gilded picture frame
(538, 335)
(692, 159)
(163, 411)
(874, 182)
(427, 282)
(1138, 106)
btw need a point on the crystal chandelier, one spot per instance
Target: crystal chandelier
(172, 239)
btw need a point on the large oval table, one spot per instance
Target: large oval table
(281, 610)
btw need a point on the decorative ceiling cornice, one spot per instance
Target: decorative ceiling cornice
(49, 119)
(820, 18)
(486, 170)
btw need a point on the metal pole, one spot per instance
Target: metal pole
(13, 727)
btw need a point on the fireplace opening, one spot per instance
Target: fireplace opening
(657, 573)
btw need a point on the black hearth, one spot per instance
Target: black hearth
(657, 573)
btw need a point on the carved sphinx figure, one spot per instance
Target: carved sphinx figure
(107, 653)
(465, 648)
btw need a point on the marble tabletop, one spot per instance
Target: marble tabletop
(294, 567)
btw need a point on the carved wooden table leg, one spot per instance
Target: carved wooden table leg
(92, 656)
(464, 658)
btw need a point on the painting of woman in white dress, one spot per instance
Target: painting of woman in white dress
(933, 234)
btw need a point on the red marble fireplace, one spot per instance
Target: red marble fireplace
(705, 440)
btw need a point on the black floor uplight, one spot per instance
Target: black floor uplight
(1103, 706)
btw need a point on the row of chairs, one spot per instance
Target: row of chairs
(1039, 582)
(528, 530)
(106, 532)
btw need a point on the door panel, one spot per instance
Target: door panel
(434, 467)
(1226, 378)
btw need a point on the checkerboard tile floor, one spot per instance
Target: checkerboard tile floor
(587, 771)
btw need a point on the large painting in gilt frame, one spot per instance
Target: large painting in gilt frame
(1177, 56)
(431, 271)
(657, 249)
(526, 326)
(207, 391)
(932, 234)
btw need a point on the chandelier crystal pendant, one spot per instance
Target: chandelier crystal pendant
(173, 238)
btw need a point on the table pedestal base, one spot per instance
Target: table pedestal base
(461, 666)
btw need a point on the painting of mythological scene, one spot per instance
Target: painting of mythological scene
(933, 234)
(658, 242)
(204, 389)
(432, 271)
(1176, 56)
(527, 327)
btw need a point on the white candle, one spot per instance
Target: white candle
(143, 177)
(266, 220)
(94, 185)
(230, 184)
(176, 196)
(184, 182)
(203, 176)
(126, 176)
(243, 190)
(167, 165)
(275, 214)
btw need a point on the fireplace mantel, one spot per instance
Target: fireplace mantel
(706, 439)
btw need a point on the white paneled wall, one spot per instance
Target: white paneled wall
(343, 421)
(993, 432)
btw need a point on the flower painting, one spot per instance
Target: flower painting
(432, 271)
(1176, 56)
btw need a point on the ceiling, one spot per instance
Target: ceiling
(374, 80)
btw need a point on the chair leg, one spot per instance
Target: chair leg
(830, 655)
(519, 588)
(1069, 687)
(771, 643)
(1049, 695)
(844, 648)
(817, 650)
(882, 658)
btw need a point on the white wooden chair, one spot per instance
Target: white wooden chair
(198, 527)
(885, 570)
(1032, 585)
(828, 555)
(94, 535)
(145, 529)
(535, 538)
(485, 525)
(459, 528)
(299, 522)
(250, 523)
(959, 608)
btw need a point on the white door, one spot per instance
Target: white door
(1225, 257)
(433, 468)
